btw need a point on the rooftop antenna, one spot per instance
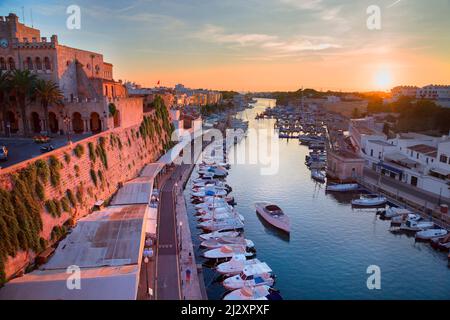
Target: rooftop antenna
(31, 13)
(23, 14)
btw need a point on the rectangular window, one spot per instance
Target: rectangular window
(443, 158)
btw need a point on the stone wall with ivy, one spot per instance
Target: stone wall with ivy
(41, 198)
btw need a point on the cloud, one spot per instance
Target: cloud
(216, 34)
(304, 4)
(272, 46)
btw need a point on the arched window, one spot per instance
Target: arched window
(29, 64)
(38, 64)
(47, 65)
(12, 64)
(2, 64)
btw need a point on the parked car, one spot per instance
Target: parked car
(3, 153)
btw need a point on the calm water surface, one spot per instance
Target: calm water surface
(331, 245)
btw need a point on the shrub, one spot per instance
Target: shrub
(43, 170)
(77, 170)
(67, 157)
(40, 191)
(65, 204)
(93, 177)
(71, 197)
(55, 167)
(53, 208)
(92, 155)
(80, 194)
(79, 150)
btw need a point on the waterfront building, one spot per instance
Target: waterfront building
(414, 159)
(434, 92)
(404, 91)
(84, 78)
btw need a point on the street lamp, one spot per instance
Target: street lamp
(146, 274)
(181, 225)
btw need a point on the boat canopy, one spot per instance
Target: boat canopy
(273, 209)
(257, 269)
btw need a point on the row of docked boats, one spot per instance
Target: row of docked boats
(402, 219)
(225, 247)
(424, 230)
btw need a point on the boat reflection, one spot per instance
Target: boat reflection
(272, 230)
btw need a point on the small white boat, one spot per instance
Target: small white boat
(405, 217)
(252, 275)
(343, 187)
(210, 192)
(211, 204)
(318, 175)
(218, 234)
(217, 243)
(416, 225)
(273, 215)
(430, 234)
(220, 214)
(225, 252)
(235, 265)
(392, 212)
(249, 293)
(369, 201)
(201, 179)
(226, 224)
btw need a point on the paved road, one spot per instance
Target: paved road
(21, 149)
(167, 263)
(408, 189)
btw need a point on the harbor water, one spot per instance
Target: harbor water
(331, 245)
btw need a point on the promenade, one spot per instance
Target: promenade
(403, 194)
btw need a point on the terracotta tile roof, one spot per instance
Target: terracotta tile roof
(424, 149)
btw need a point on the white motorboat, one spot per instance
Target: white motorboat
(392, 212)
(415, 226)
(273, 215)
(318, 175)
(220, 214)
(218, 234)
(205, 192)
(249, 293)
(235, 265)
(252, 275)
(202, 179)
(343, 187)
(217, 243)
(225, 224)
(405, 217)
(211, 202)
(369, 201)
(430, 234)
(226, 252)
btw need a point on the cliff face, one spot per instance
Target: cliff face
(42, 197)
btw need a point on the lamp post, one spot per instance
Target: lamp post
(146, 274)
(66, 121)
(181, 225)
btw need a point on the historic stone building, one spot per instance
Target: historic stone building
(83, 76)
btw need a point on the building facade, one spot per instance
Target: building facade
(84, 78)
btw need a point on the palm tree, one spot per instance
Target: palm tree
(22, 85)
(48, 93)
(4, 92)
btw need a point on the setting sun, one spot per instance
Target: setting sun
(383, 79)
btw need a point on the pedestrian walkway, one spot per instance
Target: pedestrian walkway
(190, 276)
(167, 264)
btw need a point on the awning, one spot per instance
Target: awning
(442, 172)
(390, 168)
